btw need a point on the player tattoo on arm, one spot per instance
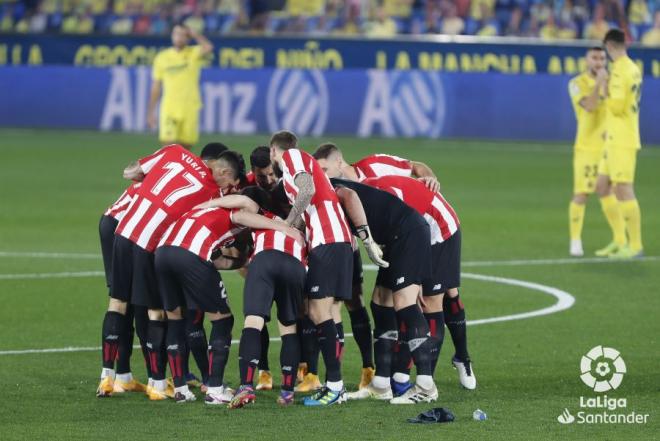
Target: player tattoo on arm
(306, 189)
(133, 171)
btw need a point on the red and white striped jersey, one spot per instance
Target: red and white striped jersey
(202, 231)
(324, 218)
(119, 207)
(276, 240)
(440, 216)
(375, 166)
(175, 181)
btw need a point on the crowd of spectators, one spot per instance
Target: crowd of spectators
(543, 19)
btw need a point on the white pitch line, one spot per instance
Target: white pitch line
(566, 261)
(564, 301)
(43, 255)
(63, 275)
(472, 263)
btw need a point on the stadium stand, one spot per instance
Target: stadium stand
(546, 20)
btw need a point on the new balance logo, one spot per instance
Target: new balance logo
(173, 347)
(112, 337)
(389, 335)
(315, 289)
(400, 280)
(437, 286)
(414, 343)
(287, 368)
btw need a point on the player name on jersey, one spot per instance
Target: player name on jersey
(175, 181)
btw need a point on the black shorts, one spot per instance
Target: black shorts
(187, 281)
(409, 256)
(107, 227)
(133, 275)
(329, 273)
(358, 276)
(446, 266)
(274, 276)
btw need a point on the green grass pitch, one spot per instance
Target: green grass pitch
(512, 200)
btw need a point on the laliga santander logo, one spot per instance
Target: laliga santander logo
(602, 369)
(297, 100)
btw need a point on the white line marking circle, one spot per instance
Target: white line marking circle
(477, 263)
(564, 301)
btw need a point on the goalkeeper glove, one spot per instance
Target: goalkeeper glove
(373, 249)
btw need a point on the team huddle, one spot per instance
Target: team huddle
(290, 227)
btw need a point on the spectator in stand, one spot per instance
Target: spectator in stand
(514, 28)
(638, 12)
(462, 7)
(7, 22)
(395, 8)
(487, 24)
(196, 21)
(549, 30)
(598, 27)
(382, 26)
(161, 24)
(351, 25)
(482, 9)
(82, 22)
(532, 30)
(142, 23)
(39, 21)
(452, 24)
(123, 24)
(432, 16)
(652, 36)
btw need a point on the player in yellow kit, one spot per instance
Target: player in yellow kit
(176, 73)
(616, 171)
(587, 92)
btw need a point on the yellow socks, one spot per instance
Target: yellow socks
(612, 211)
(576, 219)
(633, 222)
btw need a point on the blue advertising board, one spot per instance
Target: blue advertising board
(358, 102)
(442, 54)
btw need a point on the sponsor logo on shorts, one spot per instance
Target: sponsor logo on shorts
(437, 286)
(315, 289)
(400, 280)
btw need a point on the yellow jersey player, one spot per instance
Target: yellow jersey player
(616, 170)
(176, 74)
(587, 92)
